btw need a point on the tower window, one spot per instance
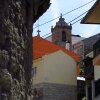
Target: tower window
(63, 36)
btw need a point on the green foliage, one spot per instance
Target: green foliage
(82, 71)
(84, 98)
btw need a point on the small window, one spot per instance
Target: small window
(34, 71)
(63, 36)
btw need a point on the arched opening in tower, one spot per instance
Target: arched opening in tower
(63, 36)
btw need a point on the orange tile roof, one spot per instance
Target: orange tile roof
(42, 47)
(78, 70)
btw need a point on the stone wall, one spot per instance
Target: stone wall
(16, 20)
(49, 91)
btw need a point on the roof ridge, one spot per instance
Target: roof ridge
(56, 45)
(40, 41)
(92, 36)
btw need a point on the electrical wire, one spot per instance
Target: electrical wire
(71, 21)
(77, 21)
(64, 14)
(46, 34)
(78, 16)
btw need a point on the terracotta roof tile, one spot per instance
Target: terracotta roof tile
(42, 47)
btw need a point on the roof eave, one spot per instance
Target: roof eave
(90, 13)
(42, 8)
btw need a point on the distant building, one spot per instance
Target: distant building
(96, 63)
(93, 17)
(61, 34)
(96, 48)
(54, 71)
(74, 38)
(89, 42)
(78, 48)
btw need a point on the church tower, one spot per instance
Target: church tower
(61, 33)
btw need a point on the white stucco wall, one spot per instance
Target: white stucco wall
(97, 76)
(97, 72)
(59, 68)
(39, 77)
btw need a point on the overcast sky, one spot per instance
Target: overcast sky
(62, 6)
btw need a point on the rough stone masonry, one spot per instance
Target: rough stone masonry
(16, 20)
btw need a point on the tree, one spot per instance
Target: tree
(16, 21)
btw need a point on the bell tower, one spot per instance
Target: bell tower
(61, 33)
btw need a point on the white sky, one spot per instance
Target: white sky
(62, 6)
(54, 10)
